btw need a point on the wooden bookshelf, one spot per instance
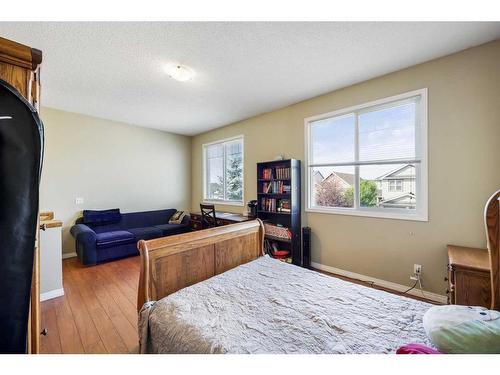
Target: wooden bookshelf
(278, 196)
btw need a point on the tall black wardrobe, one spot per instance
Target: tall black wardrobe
(21, 152)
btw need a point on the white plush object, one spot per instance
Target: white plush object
(267, 306)
(463, 329)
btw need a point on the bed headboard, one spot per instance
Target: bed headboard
(172, 263)
(492, 223)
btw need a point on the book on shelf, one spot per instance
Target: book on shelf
(275, 187)
(280, 173)
(283, 173)
(267, 174)
(268, 204)
(284, 205)
(275, 205)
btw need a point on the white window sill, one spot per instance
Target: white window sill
(370, 213)
(227, 203)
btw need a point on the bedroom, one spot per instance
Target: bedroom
(369, 148)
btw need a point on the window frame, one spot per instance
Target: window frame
(421, 167)
(204, 148)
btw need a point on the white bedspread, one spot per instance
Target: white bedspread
(267, 306)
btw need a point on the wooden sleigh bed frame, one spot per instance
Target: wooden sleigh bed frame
(492, 225)
(172, 263)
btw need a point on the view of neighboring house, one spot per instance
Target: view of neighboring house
(318, 177)
(333, 191)
(342, 180)
(395, 189)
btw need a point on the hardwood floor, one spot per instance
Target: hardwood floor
(97, 314)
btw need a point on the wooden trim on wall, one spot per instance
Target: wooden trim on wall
(373, 282)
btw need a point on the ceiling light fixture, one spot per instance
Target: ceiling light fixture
(180, 73)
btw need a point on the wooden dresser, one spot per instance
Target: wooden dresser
(20, 66)
(469, 279)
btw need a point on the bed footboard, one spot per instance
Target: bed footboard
(172, 263)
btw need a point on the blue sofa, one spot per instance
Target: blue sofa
(108, 234)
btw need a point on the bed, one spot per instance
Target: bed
(213, 291)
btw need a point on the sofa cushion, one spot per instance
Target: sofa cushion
(168, 229)
(146, 233)
(101, 217)
(145, 219)
(114, 238)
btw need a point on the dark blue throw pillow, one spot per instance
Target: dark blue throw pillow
(101, 217)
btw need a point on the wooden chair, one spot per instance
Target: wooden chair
(208, 219)
(492, 224)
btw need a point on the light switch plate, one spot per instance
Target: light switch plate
(78, 200)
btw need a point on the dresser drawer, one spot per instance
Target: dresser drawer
(472, 288)
(195, 225)
(195, 217)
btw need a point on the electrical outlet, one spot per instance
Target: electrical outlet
(78, 200)
(417, 269)
(417, 272)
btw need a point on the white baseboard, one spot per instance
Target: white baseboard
(69, 255)
(382, 283)
(52, 294)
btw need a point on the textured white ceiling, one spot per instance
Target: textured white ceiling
(114, 70)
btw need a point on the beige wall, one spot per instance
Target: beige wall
(110, 165)
(464, 155)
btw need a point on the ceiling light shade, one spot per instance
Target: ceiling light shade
(179, 72)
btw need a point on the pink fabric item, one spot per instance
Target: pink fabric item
(416, 349)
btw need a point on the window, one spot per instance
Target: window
(370, 160)
(395, 185)
(223, 171)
